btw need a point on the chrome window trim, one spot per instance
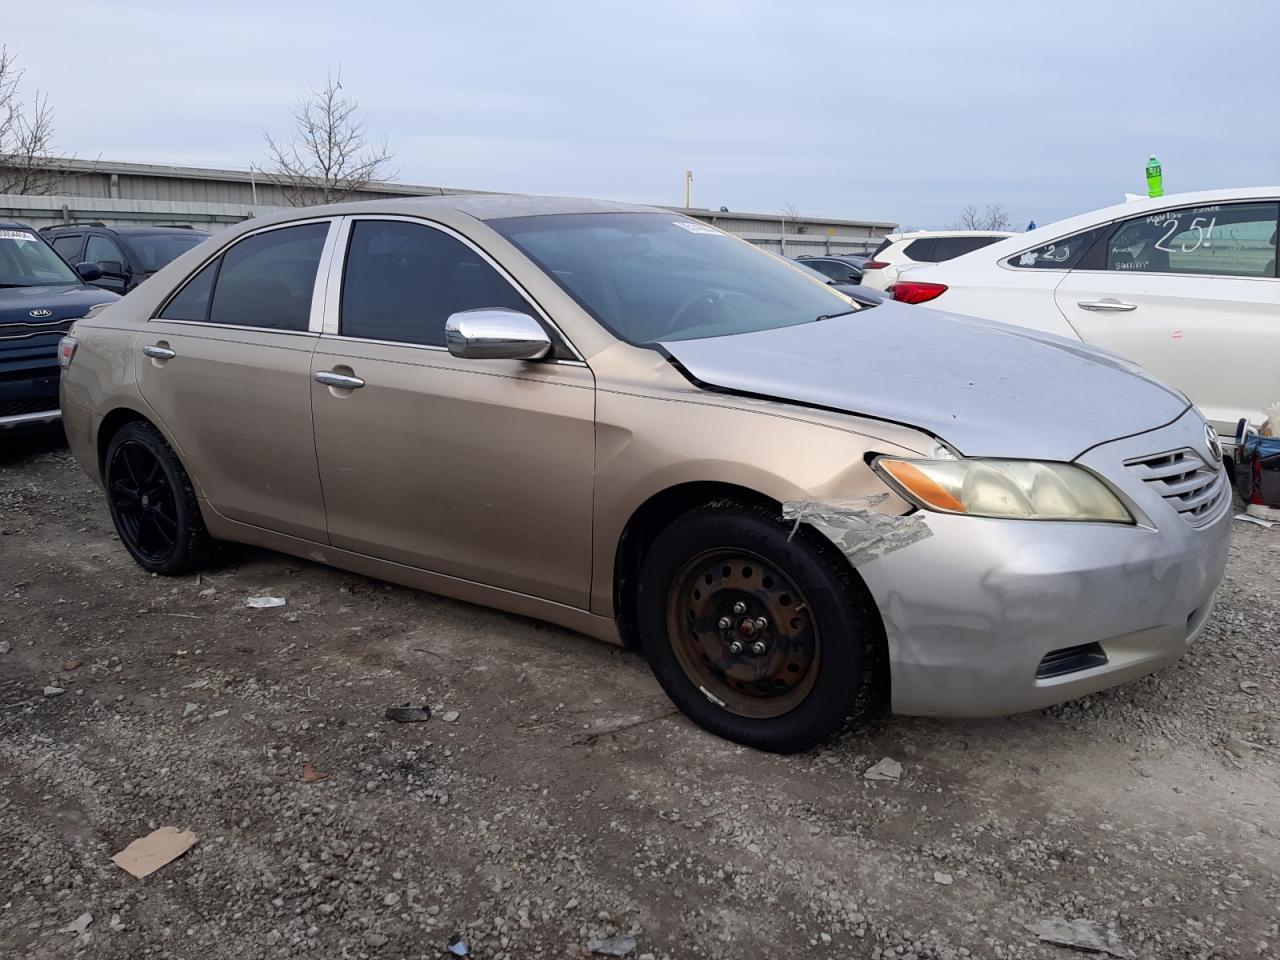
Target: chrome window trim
(333, 304)
(313, 322)
(310, 334)
(339, 338)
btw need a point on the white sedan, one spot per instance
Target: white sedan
(1184, 285)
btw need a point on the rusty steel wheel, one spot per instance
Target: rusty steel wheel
(758, 630)
(743, 633)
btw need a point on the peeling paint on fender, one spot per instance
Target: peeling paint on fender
(853, 525)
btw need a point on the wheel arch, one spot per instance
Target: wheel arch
(110, 426)
(658, 512)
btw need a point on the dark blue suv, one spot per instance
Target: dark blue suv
(40, 296)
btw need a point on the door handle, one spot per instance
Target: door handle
(331, 379)
(1106, 306)
(157, 352)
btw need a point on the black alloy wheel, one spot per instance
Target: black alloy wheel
(153, 502)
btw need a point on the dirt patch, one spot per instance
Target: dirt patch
(567, 800)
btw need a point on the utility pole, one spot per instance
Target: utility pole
(688, 188)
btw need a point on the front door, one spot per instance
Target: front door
(477, 469)
(227, 365)
(106, 253)
(1191, 295)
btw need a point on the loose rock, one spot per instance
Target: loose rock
(612, 946)
(1080, 934)
(408, 714)
(886, 769)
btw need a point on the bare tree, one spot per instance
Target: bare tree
(790, 215)
(328, 158)
(994, 217)
(26, 135)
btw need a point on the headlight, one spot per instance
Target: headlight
(1018, 489)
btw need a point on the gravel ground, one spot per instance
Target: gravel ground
(555, 797)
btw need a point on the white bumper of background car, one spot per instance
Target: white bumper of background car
(978, 614)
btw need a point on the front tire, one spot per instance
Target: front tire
(763, 638)
(153, 503)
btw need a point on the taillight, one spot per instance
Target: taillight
(67, 350)
(875, 265)
(907, 291)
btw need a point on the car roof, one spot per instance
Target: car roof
(917, 234)
(124, 230)
(14, 225)
(486, 206)
(158, 228)
(1123, 211)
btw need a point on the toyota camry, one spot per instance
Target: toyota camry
(800, 507)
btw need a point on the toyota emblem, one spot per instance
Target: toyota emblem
(1211, 441)
(40, 314)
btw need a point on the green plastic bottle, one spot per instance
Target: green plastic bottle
(1155, 178)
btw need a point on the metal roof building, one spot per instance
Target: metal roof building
(207, 198)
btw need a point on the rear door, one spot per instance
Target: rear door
(226, 365)
(1192, 295)
(478, 469)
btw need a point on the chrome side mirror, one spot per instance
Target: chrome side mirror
(495, 333)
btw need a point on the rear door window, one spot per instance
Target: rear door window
(1237, 240)
(829, 269)
(266, 279)
(402, 281)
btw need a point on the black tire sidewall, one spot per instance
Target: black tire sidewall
(841, 624)
(190, 523)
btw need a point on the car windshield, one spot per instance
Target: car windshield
(154, 250)
(649, 277)
(27, 261)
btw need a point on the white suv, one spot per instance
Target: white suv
(1184, 285)
(922, 246)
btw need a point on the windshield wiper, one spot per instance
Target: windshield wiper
(828, 316)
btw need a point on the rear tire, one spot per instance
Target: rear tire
(153, 503)
(762, 638)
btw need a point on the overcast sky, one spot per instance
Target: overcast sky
(880, 110)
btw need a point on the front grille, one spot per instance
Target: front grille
(15, 408)
(1071, 659)
(19, 330)
(1188, 484)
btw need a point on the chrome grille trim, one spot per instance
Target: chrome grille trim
(1184, 480)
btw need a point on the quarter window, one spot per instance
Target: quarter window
(948, 248)
(192, 301)
(403, 280)
(1062, 254)
(266, 280)
(1236, 240)
(921, 251)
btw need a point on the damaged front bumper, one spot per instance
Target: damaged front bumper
(989, 617)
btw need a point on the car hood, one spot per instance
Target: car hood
(64, 301)
(988, 389)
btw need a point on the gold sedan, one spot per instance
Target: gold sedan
(627, 422)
